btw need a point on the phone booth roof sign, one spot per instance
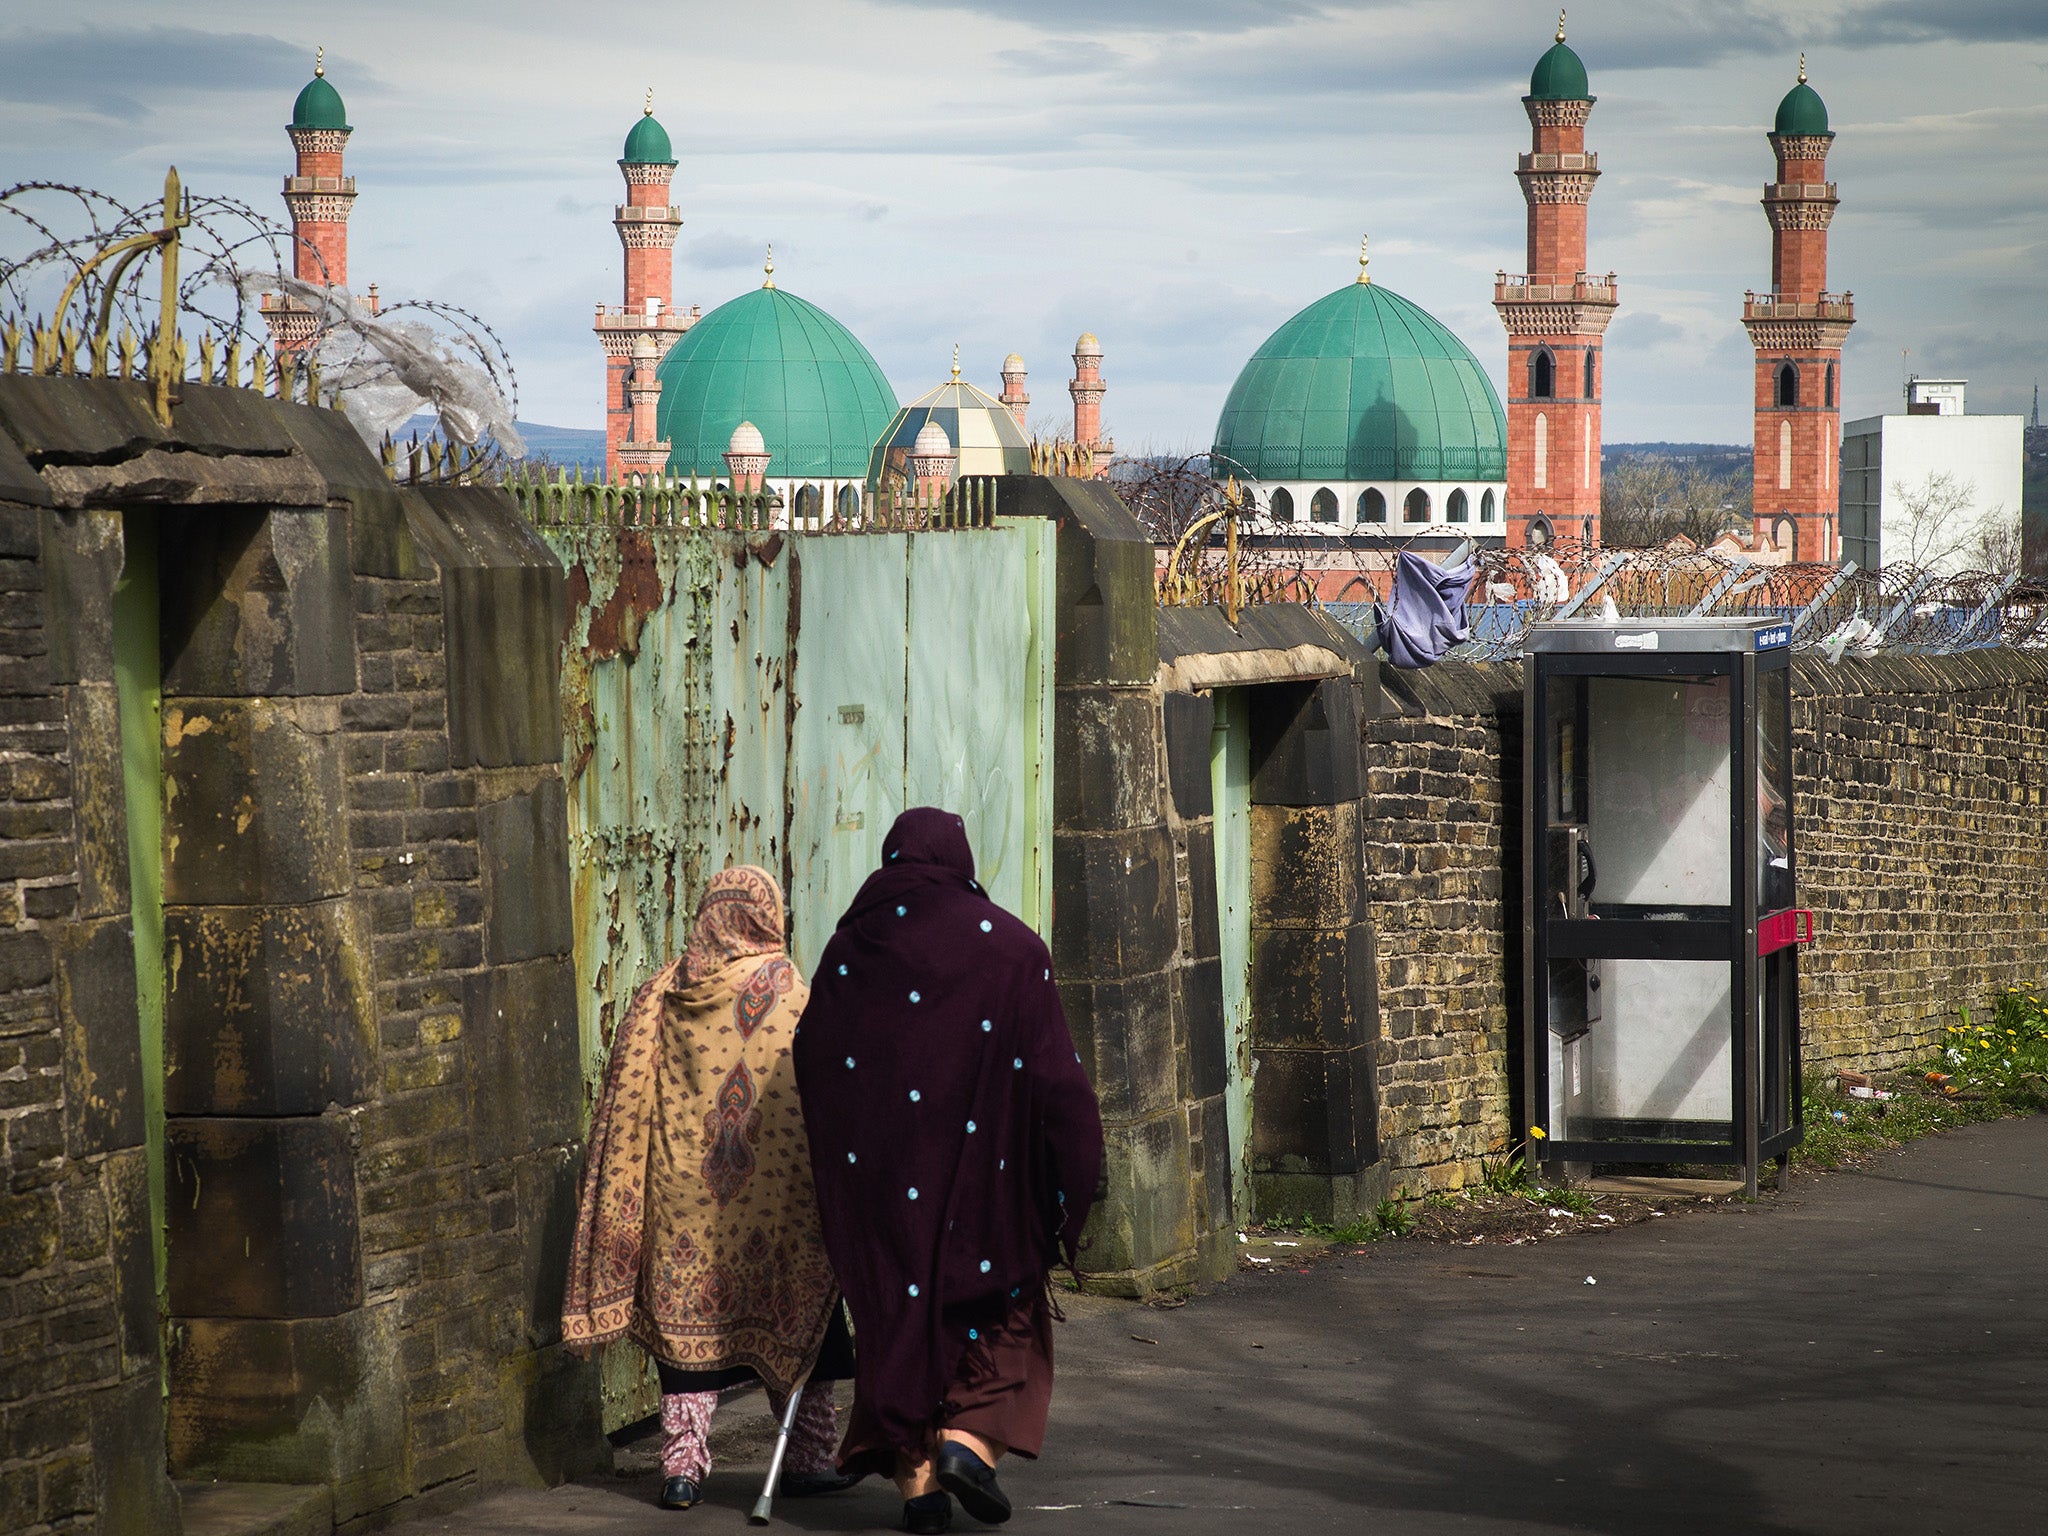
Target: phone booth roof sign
(1594, 636)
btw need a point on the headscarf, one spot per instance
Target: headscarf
(955, 1139)
(697, 1233)
(740, 915)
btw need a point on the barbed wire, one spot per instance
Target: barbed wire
(381, 362)
(1900, 608)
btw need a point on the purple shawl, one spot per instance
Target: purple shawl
(1428, 617)
(955, 1140)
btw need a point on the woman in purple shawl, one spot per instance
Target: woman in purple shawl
(956, 1146)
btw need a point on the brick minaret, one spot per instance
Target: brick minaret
(644, 451)
(1555, 314)
(1014, 394)
(647, 226)
(319, 197)
(1088, 390)
(1797, 330)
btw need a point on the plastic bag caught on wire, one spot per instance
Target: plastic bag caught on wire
(385, 369)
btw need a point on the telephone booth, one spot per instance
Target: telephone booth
(1661, 931)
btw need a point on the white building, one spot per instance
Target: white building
(1917, 487)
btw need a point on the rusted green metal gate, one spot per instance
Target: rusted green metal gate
(738, 693)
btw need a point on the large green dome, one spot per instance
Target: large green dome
(1802, 112)
(769, 357)
(1362, 385)
(1559, 76)
(648, 143)
(319, 106)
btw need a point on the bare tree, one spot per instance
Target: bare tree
(1645, 502)
(1936, 521)
(1996, 547)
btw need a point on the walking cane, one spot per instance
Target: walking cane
(767, 1499)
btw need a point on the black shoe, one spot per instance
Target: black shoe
(805, 1485)
(929, 1514)
(679, 1493)
(973, 1482)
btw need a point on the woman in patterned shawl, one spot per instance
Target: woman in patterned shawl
(697, 1235)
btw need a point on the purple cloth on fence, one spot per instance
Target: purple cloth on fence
(1428, 616)
(955, 1140)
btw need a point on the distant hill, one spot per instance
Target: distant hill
(1708, 453)
(564, 447)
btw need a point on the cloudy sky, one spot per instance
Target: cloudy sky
(1177, 175)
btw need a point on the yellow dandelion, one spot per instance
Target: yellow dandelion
(1538, 1133)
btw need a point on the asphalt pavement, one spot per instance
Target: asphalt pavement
(1865, 1354)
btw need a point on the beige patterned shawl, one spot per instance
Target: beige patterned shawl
(697, 1234)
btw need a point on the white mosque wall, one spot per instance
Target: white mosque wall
(1288, 505)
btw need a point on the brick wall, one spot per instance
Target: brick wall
(1922, 852)
(1442, 861)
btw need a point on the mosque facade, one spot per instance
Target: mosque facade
(1362, 419)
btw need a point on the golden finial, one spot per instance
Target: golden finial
(956, 360)
(648, 110)
(319, 61)
(1802, 69)
(768, 267)
(1363, 275)
(1560, 24)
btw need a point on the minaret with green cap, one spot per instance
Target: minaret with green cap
(647, 224)
(1556, 314)
(1798, 329)
(319, 196)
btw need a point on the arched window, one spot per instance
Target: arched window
(1542, 376)
(808, 500)
(1415, 509)
(1542, 451)
(1322, 507)
(1785, 534)
(1372, 506)
(1592, 378)
(1486, 507)
(1457, 509)
(849, 502)
(1788, 385)
(1827, 388)
(1282, 506)
(1540, 532)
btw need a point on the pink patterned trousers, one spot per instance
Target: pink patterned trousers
(686, 1432)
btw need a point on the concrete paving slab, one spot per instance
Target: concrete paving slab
(1864, 1355)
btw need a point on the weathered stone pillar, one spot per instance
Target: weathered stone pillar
(1314, 984)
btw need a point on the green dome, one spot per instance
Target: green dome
(1802, 111)
(319, 106)
(648, 144)
(770, 358)
(1559, 76)
(1362, 385)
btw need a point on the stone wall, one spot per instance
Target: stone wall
(81, 1410)
(342, 706)
(1922, 852)
(1443, 880)
(1923, 845)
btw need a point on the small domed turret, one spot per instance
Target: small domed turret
(1559, 74)
(1087, 346)
(319, 104)
(648, 143)
(1802, 113)
(746, 438)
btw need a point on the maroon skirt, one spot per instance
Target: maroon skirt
(1002, 1391)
